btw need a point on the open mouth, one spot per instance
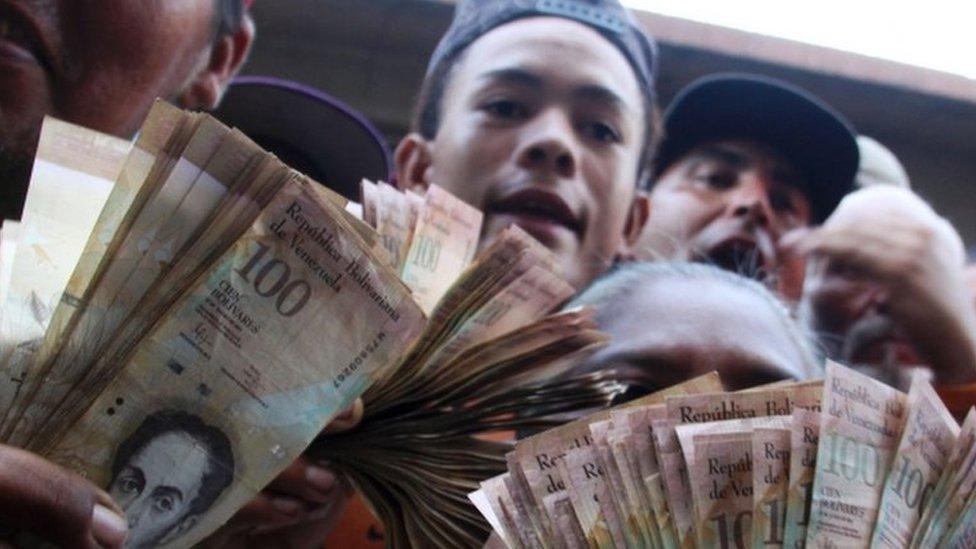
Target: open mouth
(538, 206)
(22, 37)
(739, 255)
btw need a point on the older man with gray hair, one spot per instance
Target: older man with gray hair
(885, 288)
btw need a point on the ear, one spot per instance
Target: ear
(640, 211)
(227, 55)
(413, 163)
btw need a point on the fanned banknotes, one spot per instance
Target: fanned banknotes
(419, 451)
(182, 316)
(204, 311)
(842, 462)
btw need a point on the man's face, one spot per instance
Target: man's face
(97, 63)
(157, 486)
(542, 126)
(671, 330)
(849, 315)
(728, 203)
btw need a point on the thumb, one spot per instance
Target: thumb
(62, 507)
(347, 420)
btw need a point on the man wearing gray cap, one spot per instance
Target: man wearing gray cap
(541, 113)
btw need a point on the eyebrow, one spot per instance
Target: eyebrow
(786, 174)
(722, 154)
(514, 76)
(523, 77)
(599, 94)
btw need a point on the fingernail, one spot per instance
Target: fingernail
(109, 529)
(320, 478)
(346, 414)
(287, 506)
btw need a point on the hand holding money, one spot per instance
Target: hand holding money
(223, 309)
(43, 499)
(305, 493)
(305, 498)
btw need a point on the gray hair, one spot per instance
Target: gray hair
(622, 279)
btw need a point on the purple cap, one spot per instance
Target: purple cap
(309, 130)
(474, 18)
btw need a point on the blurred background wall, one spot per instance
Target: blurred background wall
(372, 54)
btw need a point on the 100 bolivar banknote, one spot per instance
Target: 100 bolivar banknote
(842, 462)
(235, 382)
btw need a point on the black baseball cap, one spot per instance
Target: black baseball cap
(817, 139)
(474, 18)
(308, 130)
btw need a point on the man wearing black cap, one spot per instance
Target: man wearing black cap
(745, 160)
(541, 113)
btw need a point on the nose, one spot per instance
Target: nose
(133, 512)
(750, 201)
(548, 145)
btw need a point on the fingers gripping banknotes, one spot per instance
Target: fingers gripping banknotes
(242, 353)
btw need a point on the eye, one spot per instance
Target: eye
(128, 485)
(601, 132)
(164, 504)
(716, 178)
(781, 201)
(506, 109)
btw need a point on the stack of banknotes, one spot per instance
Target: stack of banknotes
(488, 362)
(182, 315)
(841, 462)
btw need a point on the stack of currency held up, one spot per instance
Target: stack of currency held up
(842, 462)
(418, 451)
(184, 314)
